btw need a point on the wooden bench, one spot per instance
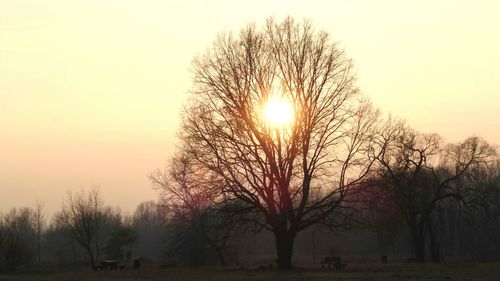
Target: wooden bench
(331, 262)
(111, 265)
(108, 265)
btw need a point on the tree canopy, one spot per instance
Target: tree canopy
(294, 175)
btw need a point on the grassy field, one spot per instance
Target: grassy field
(373, 272)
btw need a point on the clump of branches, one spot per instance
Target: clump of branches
(98, 229)
(200, 225)
(420, 173)
(18, 236)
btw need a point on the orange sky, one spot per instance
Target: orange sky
(90, 90)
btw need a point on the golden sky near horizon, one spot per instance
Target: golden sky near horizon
(90, 90)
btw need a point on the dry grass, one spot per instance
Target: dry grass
(364, 271)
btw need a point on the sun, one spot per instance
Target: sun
(278, 112)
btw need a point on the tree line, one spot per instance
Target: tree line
(83, 233)
(460, 221)
(338, 150)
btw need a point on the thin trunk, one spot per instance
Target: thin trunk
(434, 245)
(419, 244)
(38, 246)
(313, 243)
(97, 247)
(218, 249)
(92, 259)
(221, 258)
(418, 239)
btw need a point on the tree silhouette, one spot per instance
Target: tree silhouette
(82, 216)
(189, 191)
(40, 221)
(17, 236)
(288, 177)
(420, 173)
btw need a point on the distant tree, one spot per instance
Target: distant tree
(17, 236)
(60, 244)
(40, 221)
(82, 216)
(150, 213)
(149, 222)
(100, 230)
(115, 235)
(120, 238)
(479, 227)
(189, 191)
(290, 177)
(421, 173)
(375, 207)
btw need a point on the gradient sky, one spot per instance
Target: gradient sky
(90, 90)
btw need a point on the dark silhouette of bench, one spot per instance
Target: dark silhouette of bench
(332, 262)
(109, 265)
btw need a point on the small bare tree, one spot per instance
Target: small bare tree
(82, 215)
(293, 176)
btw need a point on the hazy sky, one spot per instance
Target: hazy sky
(90, 90)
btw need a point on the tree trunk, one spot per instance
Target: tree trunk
(39, 249)
(284, 248)
(220, 256)
(419, 244)
(218, 249)
(313, 243)
(418, 238)
(92, 259)
(434, 246)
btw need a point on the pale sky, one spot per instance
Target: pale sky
(91, 90)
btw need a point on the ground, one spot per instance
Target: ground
(354, 272)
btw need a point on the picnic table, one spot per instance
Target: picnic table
(110, 265)
(331, 262)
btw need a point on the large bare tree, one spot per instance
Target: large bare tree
(295, 175)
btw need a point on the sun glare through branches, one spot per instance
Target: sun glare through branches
(278, 112)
